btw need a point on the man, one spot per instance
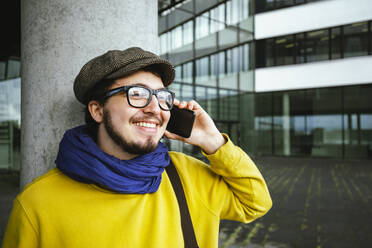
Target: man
(110, 188)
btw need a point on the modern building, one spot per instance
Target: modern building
(281, 77)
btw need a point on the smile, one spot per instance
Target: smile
(145, 124)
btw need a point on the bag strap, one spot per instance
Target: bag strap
(187, 228)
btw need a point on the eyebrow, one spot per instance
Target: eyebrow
(144, 85)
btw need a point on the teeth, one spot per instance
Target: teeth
(145, 124)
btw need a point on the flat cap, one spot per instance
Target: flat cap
(117, 64)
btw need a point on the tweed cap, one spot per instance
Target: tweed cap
(117, 64)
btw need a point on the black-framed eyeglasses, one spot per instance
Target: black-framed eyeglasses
(140, 96)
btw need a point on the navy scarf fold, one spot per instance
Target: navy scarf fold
(80, 158)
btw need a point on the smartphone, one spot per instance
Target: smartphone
(181, 121)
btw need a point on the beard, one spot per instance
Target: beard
(129, 147)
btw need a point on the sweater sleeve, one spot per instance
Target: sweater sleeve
(242, 191)
(20, 232)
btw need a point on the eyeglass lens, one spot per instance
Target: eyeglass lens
(140, 97)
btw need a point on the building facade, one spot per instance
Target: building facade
(282, 78)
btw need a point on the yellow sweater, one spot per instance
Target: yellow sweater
(56, 211)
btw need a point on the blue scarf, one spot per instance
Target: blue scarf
(80, 158)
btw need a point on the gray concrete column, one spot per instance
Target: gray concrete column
(286, 125)
(57, 38)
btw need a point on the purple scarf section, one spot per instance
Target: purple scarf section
(81, 159)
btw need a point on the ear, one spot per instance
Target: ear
(96, 111)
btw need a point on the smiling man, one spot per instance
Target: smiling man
(110, 189)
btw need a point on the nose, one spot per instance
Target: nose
(153, 106)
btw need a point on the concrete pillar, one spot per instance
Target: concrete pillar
(57, 38)
(286, 126)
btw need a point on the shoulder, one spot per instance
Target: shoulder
(45, 187)
(191, 169)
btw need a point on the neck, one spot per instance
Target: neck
(107, 145)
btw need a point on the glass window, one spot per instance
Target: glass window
(221, 63)
(177, 37)
(202, 26)
(178, 76)
(244, 10)
(244, 58)
(232, 12)
(263, 123)
(232, 60)
(214, 64)
(218, 18)
(212, 102)
(358, 121)
(202, 67)
(355, 41)
(176, 88)
(10, 121)
(285, 48)
(269, 52)
(203, 73)
(2, 69)
(201, 96)
(317, 45)
(284, 3)
(187, 72)
(14, 69)
(186, 92)
(228, 105)
(300, 48)
(336, 43)
(188, 32)
(325, 122)
(163, 43)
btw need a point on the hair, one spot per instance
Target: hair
(97, 92)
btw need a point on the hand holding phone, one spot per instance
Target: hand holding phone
(181, 121)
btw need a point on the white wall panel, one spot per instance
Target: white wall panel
(350, 71)
(311, 16)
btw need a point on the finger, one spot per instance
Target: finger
(173, 136)
(176, 102)
(193, 105)
(182, 104)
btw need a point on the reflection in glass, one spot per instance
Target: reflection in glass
(336, 40)
(285, 50)
(163, 43)
(187, 32)
(317, 45)
(300, 48)
(218, 18)
(10, 120)
(186, 92)
(202, 26)
(2, 70)
(269, 52)
(339, 42)
(356, 39)
(228, 103)
(203, 76)
(325, 123)
(221, 63)
(178, 76)
(358, 121)
(244, 58)
(232, 60)
(187, 72)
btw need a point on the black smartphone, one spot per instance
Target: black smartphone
(181, 121)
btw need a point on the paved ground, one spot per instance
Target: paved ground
(318, 203)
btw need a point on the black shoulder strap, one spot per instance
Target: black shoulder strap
(187, 228)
